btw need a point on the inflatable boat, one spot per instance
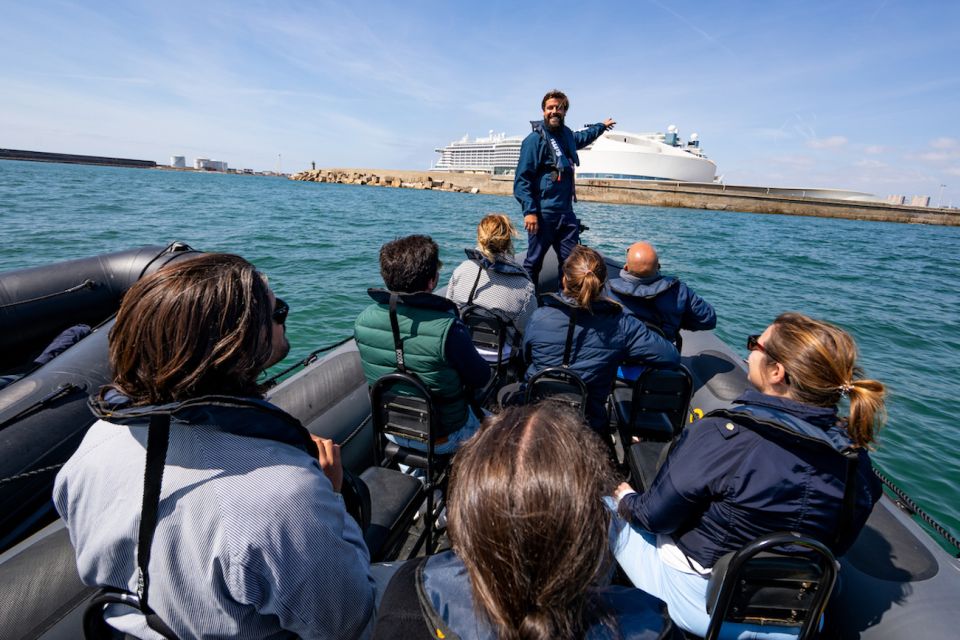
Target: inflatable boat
(896, 581)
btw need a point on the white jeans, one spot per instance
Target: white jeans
(685, 593)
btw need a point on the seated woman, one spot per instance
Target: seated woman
(530, 541)
(603, 336)
(733, 478)
(251, 539)
(493, 279)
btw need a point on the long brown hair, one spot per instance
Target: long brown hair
(495, 235)
(584, 273)
(527, 518)
(820, 360)
(195, 327)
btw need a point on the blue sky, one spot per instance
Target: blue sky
(856, 95)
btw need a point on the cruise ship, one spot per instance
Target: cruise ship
(616, 155)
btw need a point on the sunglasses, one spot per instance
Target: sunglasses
(280, 311)
(753, 344)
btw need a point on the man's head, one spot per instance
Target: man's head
(555, 106)
(200, 326)
(642, 260)
(410, 264)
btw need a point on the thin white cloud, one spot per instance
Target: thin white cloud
(868, 163)
(953, 171)
(945, 143)
(832, 142)
(875, 149)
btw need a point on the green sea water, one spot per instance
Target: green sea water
(895, 287)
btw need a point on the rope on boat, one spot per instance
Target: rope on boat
(311, 357)
(34, 472)
(86, 284)
(915, 509)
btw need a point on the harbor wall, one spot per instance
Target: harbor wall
(715, 197)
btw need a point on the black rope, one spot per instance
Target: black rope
(915, 509)
(86, 284)
(311, 357)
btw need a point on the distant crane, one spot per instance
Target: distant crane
(940, 197)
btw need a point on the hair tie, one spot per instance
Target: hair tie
(845, 389)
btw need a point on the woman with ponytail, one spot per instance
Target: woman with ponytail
(603, 336)
(529, 532)
(782, 459)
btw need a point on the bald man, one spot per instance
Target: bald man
(662, 301)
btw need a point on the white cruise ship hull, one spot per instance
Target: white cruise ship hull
(627, 156)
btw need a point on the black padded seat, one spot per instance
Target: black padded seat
(394, 500)
(649, 426)
(645, 459)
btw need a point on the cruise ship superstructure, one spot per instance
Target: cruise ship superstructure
(616, 155)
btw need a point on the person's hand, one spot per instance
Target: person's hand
(530, 223)
(329, 459)
(609, 123)
(623, 490)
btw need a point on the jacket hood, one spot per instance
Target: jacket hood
(503, 263)
(421, 299)
(251, 417)
(599, 306)
(641, 287)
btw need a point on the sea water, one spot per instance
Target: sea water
(896, 287)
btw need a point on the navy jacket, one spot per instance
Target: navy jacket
(663, 301)
(446, 587)
(601, 341)
(538, 185)
(725, 484)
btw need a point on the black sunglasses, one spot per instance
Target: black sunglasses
(280, 311)
(753, 344)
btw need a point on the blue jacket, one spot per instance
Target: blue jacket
(725, 484)
(601, 341)
(663, 301)
(539, 185)
(446, 587)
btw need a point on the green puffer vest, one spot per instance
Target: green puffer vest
(424, 335)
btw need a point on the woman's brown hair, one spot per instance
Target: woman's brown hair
(195, 327)
(527, 518)
(584, 273)
(820, 361)
(495, 235)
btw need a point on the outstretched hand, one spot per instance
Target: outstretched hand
(329, 459)
(609, 123)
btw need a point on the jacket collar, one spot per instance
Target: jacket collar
(422, 299)
(798, 419)
(629, 284)
(599, 306)
(250, 417)
(502, 263)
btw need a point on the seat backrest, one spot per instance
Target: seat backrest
(665, 391)
(781, 579)
(558, 384)
(488, 329)
(402, 406)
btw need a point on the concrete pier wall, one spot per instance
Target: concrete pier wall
(654, 194)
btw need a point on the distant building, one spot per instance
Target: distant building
(205, 164)
(920, 201)
(896, 199)
(178, 162)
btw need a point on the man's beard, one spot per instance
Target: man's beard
(559, 125)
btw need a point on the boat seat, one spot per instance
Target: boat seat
(781, 579)
(653, 411)
(561, 385)
(395, 498)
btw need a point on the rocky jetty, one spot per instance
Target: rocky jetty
(377, 180)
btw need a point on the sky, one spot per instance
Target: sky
(852, 95)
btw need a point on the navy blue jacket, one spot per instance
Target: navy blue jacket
(538, 185)
(663, 301)
(446, 587)
(725, 484)
(602, 339)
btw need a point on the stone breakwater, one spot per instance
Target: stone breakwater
(400, 180)
(714, 197)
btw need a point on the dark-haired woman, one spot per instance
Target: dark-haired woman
(251, 537)
(529, 532)
(603, 335)
(773, 463)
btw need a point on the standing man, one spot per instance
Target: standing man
(544, 182)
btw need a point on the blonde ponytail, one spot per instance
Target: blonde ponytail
(584, 273)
